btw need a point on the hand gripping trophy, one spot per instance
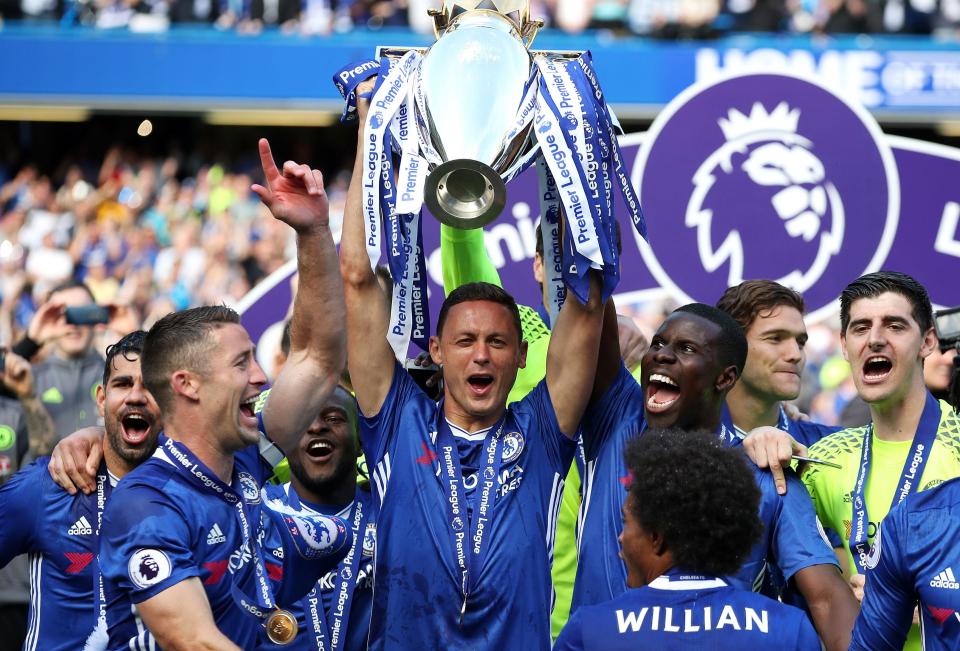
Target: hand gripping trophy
(452, 125)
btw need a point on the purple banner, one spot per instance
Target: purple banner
(752, 176)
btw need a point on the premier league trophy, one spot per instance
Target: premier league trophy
(452, 125)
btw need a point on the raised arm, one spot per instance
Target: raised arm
(572, 357)
(369, 356)
(180, 619)
(608, 358)
(17, 375)
(463, 257)
(317, 338)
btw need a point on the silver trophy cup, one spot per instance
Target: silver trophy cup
(473, 81)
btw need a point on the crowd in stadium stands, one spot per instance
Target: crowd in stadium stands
(669, 19)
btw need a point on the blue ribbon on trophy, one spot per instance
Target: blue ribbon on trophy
(466, 116)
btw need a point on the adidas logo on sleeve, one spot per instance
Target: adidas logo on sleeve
(945, 580)
(80, 528)
(215, 536)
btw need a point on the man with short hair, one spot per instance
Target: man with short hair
(335, 614)
(61, 531)
(183, 534)
(771, 316)
(694, 360)
(67, 379)
(464, 257)
(912, 443)
(682, 536)
(469, 489)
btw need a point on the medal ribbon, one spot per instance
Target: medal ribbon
(198, 474)
(909, 477)
(619, 167)
(597, 164)
(390, 94)
(330, 629)
(347, 79)
(103, 494)
(552, 244)
(469, 552)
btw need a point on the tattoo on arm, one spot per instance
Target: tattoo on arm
(40, 430)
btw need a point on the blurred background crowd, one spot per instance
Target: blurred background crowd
(668, 19)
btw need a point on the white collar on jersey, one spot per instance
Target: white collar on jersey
(461, 433)
(114, 480)
(666, 582)
(305, 508)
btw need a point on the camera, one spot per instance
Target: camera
(87, 315)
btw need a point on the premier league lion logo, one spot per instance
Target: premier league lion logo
(148, 567)
(765, 176)
(792, 204)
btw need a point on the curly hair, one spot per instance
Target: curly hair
(130, 347)
(699, 496)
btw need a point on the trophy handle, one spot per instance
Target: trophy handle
(441, 20)
(529, 30)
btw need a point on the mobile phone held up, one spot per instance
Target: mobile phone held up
(421, 374)
(87, 315)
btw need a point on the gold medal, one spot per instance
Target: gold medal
(281, 627)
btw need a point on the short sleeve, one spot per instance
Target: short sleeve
(376, 432)
(536, 415)
(571, 637)
(888, 602)
(145, 543)
(19, 498)
(797, 541)
(620, 404)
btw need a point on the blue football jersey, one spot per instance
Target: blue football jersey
(59, 531)
(914, 563)
(417, 587)
(792, 537)
(161, 527)
(677, 612)
(608, 424)
(325, 599)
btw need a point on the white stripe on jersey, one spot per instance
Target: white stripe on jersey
(556, 498)
(33, 628)
(923, 634)
(381, 475)
(591, 470)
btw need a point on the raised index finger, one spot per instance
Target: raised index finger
(270, 170)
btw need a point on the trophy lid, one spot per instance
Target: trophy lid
(518, 11)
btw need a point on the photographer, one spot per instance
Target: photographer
(66, 380)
